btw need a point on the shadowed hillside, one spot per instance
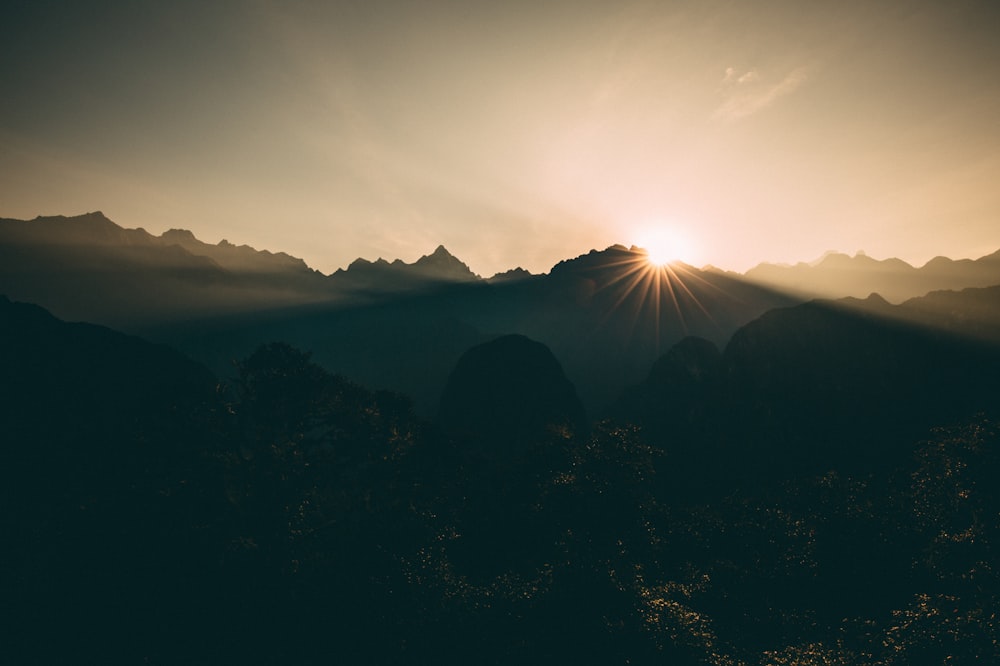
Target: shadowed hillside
(508, 395)
(788, 500)
(606, 315)
(823, 385)
(88, 268)
(111, 496)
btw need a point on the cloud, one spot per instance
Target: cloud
(735, 77)
(746, 93)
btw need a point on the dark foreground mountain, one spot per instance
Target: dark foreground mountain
(845, 385)
(297, 518)
(507, 396)
(110, 497)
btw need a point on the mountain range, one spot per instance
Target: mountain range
(838, 275)
(606, 315)
(87, 267)
(612, 461)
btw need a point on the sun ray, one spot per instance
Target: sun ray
(672, 274)
(658, 301)
(673, 299)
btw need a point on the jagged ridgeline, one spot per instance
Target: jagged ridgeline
(385, 324)
(607, 315)
(609, 463)
(401, 326)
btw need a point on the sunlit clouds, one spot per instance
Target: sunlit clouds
(746, 93)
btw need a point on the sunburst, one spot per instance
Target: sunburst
(649, 284)
(665, 245)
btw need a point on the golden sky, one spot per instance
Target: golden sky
(515, 133)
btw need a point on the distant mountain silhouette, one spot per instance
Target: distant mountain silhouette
(606, 315)
(972, 313)
(382, 276)
(511, 275)
(837, 275)
(240, 258)
(508, 395)
(88, 268)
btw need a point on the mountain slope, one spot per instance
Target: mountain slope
(606, 315)
(838, 275)
(105, 479)
(380, 276)
(88, 268)
(507, 395)
(826, 385)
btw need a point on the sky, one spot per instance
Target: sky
(514, 133)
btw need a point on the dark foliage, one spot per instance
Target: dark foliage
(151, 516)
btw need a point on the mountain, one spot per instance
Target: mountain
(513, 274)
(88, 268)
(108, 475)
(507, 395)
(239, 258)
(606, 315)
(825, 385)
(672, 403)
(155, 517)
(609, 313)
(439, 267)
(972, 313)
(98, 374)
(838, 275)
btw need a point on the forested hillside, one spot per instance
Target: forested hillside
(291, 516)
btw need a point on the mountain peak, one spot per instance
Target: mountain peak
(438, 266)
(440, 254)
(837, 275)
(178, 236)
(513, 275)
(443, 265)
(92, 228)
(598, 260)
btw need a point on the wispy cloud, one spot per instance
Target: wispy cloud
(747, 92)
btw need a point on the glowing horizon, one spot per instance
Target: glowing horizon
(515, 137)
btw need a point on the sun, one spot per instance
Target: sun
(665, 245)
(662, 254)
(656, 282)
